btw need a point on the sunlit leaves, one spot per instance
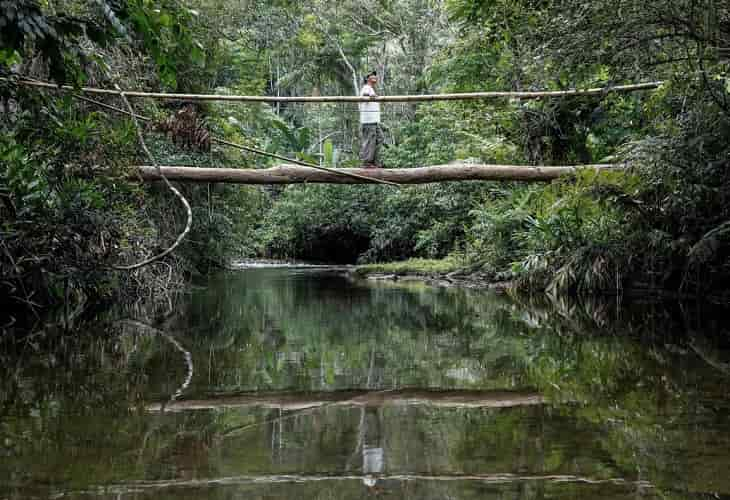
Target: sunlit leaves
(309, 36)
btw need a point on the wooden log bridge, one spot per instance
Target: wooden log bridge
(294, 174)
(292, 401)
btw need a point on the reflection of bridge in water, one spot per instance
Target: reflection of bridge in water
(359, 398)
(264, 479)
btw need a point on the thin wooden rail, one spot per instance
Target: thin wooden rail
(292, 174)
(464, 96)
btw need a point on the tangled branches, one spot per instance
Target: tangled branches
(186, 129)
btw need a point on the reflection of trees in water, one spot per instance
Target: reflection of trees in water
(292, 333)
(74, 398)
(665, 320)
(74, 372)
(615, 385)
(577, 350)
(644, 373)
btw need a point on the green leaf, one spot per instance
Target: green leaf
(197, 56)
(9, 57)
(306, 157)
(165, 20)
(328, 149)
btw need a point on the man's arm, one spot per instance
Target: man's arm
(368, 91)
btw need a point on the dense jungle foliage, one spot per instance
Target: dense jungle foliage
(71, 209)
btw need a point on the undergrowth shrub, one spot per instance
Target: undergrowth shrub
(320, 222)
(59, 204)
(684, 197)
(368, 223)
(567, 236)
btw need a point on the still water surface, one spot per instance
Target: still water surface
(304, 384)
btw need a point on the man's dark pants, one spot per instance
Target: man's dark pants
(372, 138)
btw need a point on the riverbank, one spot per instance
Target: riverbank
(451, 271)
(448, 271)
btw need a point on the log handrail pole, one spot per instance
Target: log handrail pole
(464, 96)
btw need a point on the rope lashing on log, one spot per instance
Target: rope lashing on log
(364, 178)
(291, 174)
(244, 148)
(464, 96)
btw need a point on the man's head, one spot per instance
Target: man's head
(371, 78)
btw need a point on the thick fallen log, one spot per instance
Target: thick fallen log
(402, 397)
(294, 174)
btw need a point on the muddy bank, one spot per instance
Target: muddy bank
(440, 279)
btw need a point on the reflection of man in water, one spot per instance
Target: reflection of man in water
(373, 455)
(372, 463)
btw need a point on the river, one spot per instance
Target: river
(307, 384)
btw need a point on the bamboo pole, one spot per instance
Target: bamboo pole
(291, 174)
(464, 96)
(402, 397)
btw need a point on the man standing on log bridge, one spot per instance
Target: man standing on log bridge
(372, 134)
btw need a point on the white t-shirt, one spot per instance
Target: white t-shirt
(369, 111)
